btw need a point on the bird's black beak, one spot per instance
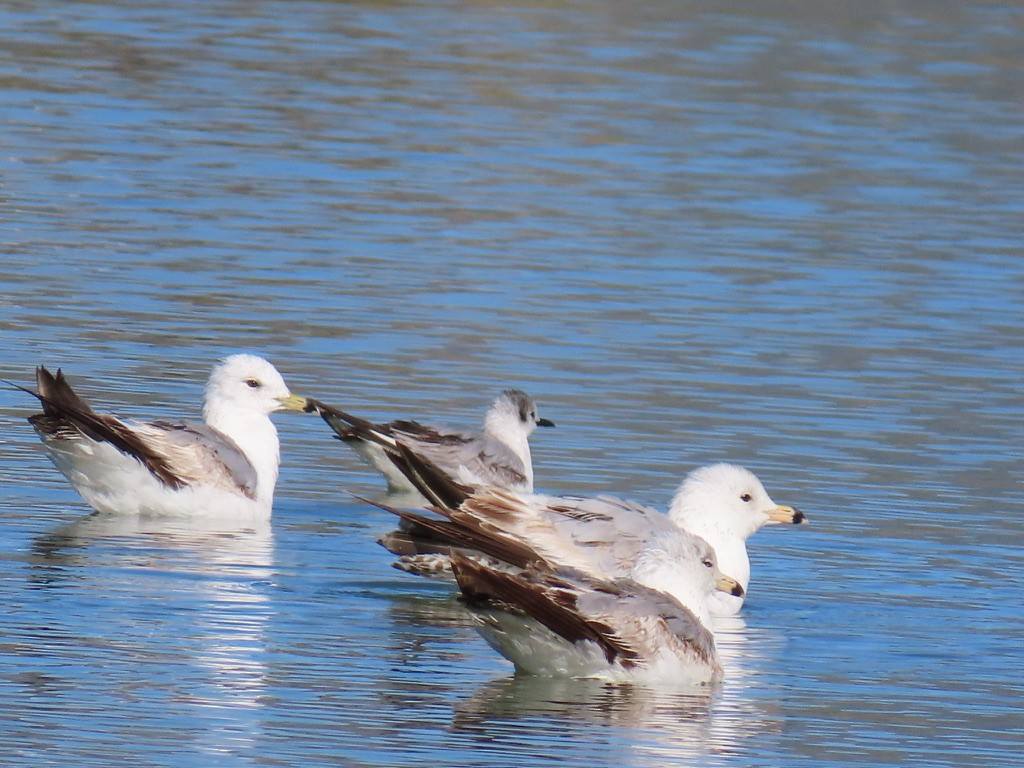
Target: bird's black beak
(545, 423)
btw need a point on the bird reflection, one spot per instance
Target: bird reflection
(199, 585)
(592, 701)
(650, 726)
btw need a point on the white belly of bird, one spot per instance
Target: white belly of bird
(535, 650)
(115, 483)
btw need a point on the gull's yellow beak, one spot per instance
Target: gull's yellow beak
(293, 403)
(729, 585)
(784, 514)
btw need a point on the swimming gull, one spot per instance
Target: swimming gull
(722, 503)
(651, 625)
(498, 455)
(227, 465)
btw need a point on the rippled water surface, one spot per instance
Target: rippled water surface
(781, 235)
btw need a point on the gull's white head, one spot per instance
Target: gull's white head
(684, 566)
(247, 385)
(724, 500)
(514, 413)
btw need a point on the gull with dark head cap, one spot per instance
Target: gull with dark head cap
(498, 455)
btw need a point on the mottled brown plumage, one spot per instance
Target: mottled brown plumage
(562, 622)
(545, 597)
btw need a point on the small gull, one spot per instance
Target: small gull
(650, 626)
(225, 466)
(498, 455)
(722, 503)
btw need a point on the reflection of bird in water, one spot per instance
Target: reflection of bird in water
(721, 503)
(651, 726)
(425, 636)
(648, 727)
(226, 464)
(498, 455)
(175, 608)
(412, 612)
(577, 700)
(207, 545)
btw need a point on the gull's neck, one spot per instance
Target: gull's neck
(683, 587)
(509, 431)
(682, 583)
(256, 437)
(729, 545)
(732, 557)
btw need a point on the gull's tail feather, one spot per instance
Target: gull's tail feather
(412, 540)
(426, 477)
(544, 598)
(56, 394)
(345, 425)
(429, 480)
(456, 535)
(65, 414)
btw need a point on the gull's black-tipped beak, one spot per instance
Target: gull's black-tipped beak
(545, 423)
(786, 514)
(730, 586)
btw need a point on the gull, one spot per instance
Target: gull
(723, 504)
(498, 455)
(226, 465)
(649, 626)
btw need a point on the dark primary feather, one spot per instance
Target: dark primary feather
(55, 393)
(345, 425)
(542, 596)
(429, 480)
(445, 451)
(456, 534)
(426, 477)
(65, 414)
(412, 540)
(631, 623)
(349, 427)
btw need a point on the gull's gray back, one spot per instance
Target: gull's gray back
(613, 530)
(198, 453)
(468, 457)
(652, 621)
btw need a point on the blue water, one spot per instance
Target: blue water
(783, 236)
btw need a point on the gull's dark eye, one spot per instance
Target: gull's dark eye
(745, 497)
(253, 383)
(707, 563)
